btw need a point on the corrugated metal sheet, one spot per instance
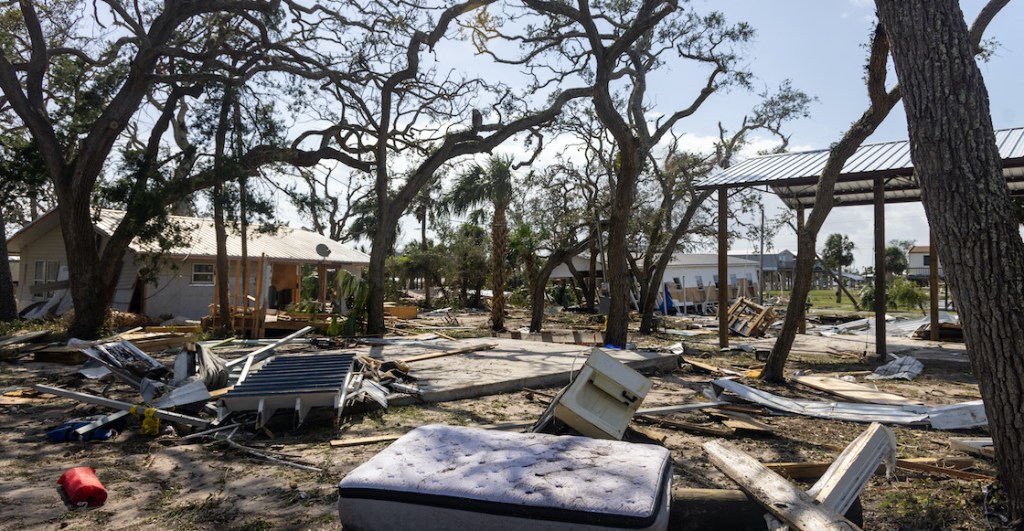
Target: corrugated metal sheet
(887, 157)
(287, 244)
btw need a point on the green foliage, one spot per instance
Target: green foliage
(895, 261)
(921, 509)
(465, 263)
(900, 292)
(838, 252)
(867, 296)
(353, 297)
(904, 293)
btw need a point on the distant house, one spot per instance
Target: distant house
(919, 263)
(184, 284)
(778, 268)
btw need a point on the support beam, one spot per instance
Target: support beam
(880, 348)
(799, 232)
(933, 286)
(723, 267)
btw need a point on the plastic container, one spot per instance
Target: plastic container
(82, 487)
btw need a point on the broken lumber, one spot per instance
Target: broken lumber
(464, 350)
(685, 426)
(849, 473)
(780, 497)
(169, 416)
(23, 338)
(950, 466)
(982, 446)
(853, 392)
(743, 422)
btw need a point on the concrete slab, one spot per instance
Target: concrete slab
(509, 367)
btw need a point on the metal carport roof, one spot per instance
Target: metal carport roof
(794, 176)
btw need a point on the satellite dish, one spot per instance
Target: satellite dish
(323, 250)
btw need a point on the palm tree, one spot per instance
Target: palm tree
(474, 188)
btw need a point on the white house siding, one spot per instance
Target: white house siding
(917, 262)
(49, 247)
(687, 274)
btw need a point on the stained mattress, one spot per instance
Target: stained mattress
(449, 477)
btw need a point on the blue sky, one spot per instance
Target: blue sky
(820, 46)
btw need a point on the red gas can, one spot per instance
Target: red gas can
(83, 487)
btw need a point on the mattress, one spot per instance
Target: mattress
(450, 477)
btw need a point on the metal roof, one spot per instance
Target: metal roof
(794, 176)
(284, 245)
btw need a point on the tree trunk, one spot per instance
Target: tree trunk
(223, 271)
(499, 248)
(881, 103)
(383, 240)
(647, 309)
(617, 276)
(221, 262)
(89, 293)
(8, 306)
(967, 202)
(796, 308)
(539, 283)
(423, 247)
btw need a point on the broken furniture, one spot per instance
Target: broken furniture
(602, 399)
(749, 319)
(450, 477)
(298, 382)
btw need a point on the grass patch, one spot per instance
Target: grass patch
(210, 512)
(928, 506)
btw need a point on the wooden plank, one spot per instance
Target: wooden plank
(464, 350)
(685, 426)
(941, 470)
(853, 392)
(841, 484)
(744, 422)
(780, 497)
(23, 338)
(982, 446)
(668, 410)
(949, 466)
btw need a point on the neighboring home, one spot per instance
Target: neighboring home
(778, 268)
(581, 263)
(919, 264)
(15, 264)
(184, 284)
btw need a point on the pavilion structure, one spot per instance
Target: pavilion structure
(876, 174)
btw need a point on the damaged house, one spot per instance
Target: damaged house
(183, 284)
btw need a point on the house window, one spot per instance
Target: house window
(927, 260)
(679, 284)
(45, 272)
(202, 274)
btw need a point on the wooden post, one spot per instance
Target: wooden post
(257, 307)
(723, 268)
(799, 234)
(321, 296)
(933, 285)
(880, 348)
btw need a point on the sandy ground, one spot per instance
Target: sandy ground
(165, 482)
